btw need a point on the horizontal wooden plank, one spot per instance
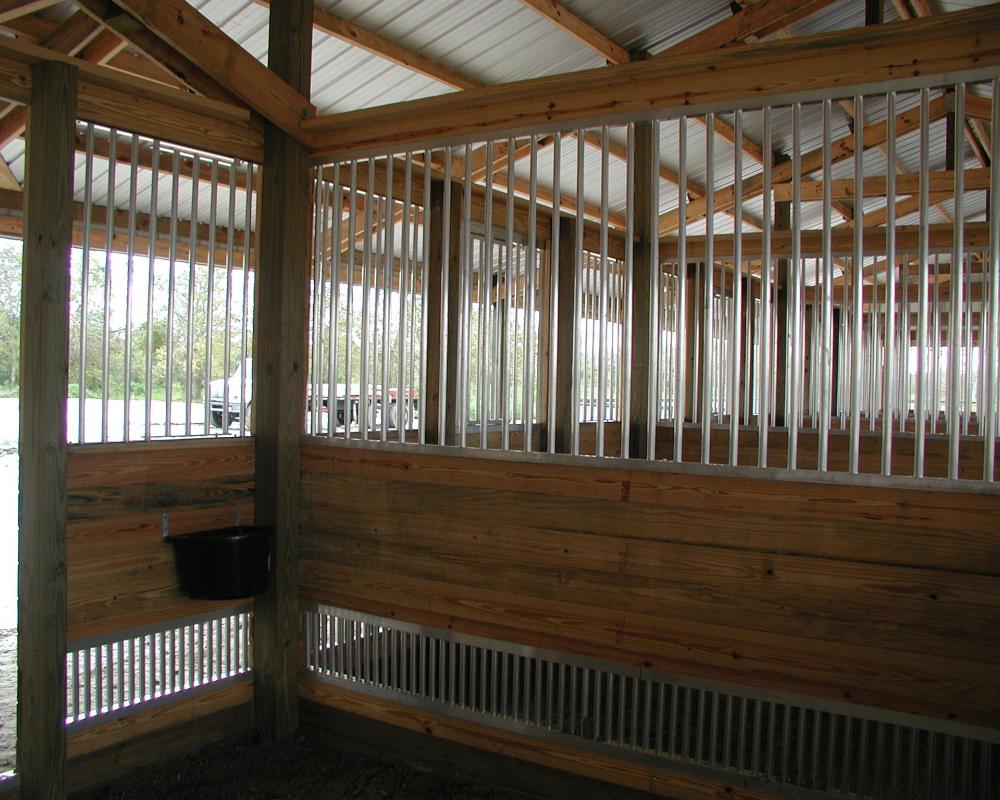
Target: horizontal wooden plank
(659, 781)
(100, 766)
(143, 462)
(120, 572)
(115, 732)
(930, 611)
(831, 505)
(832, 62)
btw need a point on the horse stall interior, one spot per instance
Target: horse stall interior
(630, 425)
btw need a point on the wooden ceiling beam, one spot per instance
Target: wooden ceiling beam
(200, 41)
(12, 9)
(740, 74)
(109, 97)
(579, 29)
(840, 149)
(157, 51)
(358, 36)
(78, 32)
(757, 19)
(940, 238)
(875, 186)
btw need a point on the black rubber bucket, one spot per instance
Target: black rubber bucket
(223, 564)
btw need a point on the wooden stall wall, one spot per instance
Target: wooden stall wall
(880, 595)
(121, 575)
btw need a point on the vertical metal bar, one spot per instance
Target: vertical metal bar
(857, 285)
(708, 329)
(213, 217)
(578, 299)
(245, 322)
(680, 317)
(602, 316)
(957, 275)
(764, 351)
(389, 269)
(151, 262)
(108, 245)
(425, 282)
(402, 387)
(918, 465)
(529, 389)
(171, 293)
(485, 283)
(652, 290)
(506, 343)
(889, 345)
(793, 413)
(988, 419)
(351, 252)
(133, 182)
(554, 290)
(826, 360)
(468, 250)
(228, 316)
(192, 261)
(336, 211)
(737, 328)
(88, 198)
(366, 406)
(628, 288)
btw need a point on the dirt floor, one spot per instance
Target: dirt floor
(8, 697)
(312, 767)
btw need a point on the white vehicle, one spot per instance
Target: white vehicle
(236, 396)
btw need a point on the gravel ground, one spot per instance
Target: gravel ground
(8, 697)
(312, 767)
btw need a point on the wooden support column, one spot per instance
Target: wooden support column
(444, 274)
(279, 376)
(567, 323)
(643, 321)
(41, 601)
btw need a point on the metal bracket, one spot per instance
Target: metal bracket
(164, 526)
(237, 515)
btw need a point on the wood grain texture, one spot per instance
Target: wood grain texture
(280, 359)
(120, 572)
(657, 781)
(881, 595)
(151, 745)
(41, 600)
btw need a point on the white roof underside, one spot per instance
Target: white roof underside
(499, 41)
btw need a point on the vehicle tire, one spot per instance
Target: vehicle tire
(394, 415)
(217, 419)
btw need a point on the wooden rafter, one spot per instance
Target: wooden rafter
(974, 133)
(172, 62)
(875, 186)
(108, 97)
(78, 32)
(358, 36)
(579, 29)
(12, 9)
(198, 39)
(812, 161)
(757, 19)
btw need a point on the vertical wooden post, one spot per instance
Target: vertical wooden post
(279, 376)
(567, 324)
(443, 274)
(643, 321)
(41, 600)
